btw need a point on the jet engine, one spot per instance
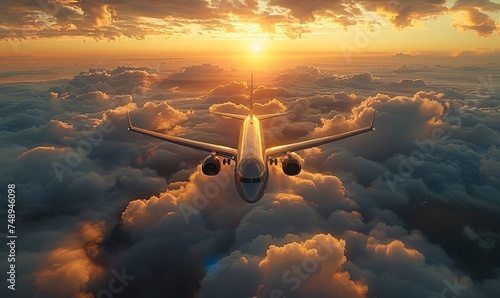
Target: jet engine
(211, 165)
(290, 165)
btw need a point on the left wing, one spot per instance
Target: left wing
(277, 151)
(212, 148)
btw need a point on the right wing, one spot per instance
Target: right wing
(278, 151)
(212, 148)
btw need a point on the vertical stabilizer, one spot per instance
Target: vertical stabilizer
(251, 96)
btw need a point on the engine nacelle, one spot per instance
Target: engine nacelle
(290, 165)
(211, 166)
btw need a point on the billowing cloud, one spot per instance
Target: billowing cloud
(406, 211)
(113, 20)
(403, 13)
(73, 263)
(486, 240)
(316, 262)
(475, 18)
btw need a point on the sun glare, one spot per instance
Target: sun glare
(256, 47)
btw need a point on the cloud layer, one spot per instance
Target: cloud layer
(409, 210)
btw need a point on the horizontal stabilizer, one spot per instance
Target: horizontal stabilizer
(230, 115)
(260, 117)
(267, 116)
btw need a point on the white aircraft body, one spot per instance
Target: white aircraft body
(252, 158)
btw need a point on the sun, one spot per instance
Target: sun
(256, 47)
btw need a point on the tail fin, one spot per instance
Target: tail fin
(251, 97)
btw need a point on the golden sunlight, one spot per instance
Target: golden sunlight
(256, 47)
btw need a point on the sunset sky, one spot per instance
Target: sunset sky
(411, 210)
(156, 27)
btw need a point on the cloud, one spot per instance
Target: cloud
(306, 13)
(403, 14)
(236, 92)
(197, 77)
(402, 55)
(316, 262)
(475, 17)
(356, 80)
(486, 240)
(482, 24)
(73, 263)
(407, 69)
(408, 84)
(392, 213)
(111, 20)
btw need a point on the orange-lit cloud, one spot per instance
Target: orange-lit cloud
(113, 20)
(312, 268)
(341, 198)
(405, 13)
(69, 268)
(476, 18)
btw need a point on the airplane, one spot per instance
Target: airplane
(252, 158)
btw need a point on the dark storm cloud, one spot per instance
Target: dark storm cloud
(140, 207)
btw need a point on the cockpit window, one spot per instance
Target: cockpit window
(250, 171)
(250, 180)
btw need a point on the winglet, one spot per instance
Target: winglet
(129, 122)
(373, 120)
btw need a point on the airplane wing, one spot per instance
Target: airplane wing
(277, 151)
(212, 148)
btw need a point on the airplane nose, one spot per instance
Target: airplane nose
(252, 192)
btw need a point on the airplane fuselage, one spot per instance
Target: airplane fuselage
(251, 171)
